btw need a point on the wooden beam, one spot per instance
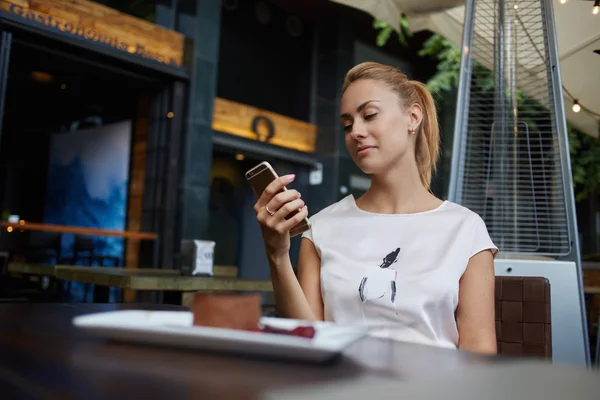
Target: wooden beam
(77, 230)
(137, 175)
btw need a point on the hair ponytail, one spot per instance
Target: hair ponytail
(427, 145)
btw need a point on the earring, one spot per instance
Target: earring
(411, 131)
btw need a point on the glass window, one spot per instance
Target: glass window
(144, 9)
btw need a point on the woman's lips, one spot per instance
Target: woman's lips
(363, 150)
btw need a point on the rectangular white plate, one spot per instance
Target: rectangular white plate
(176, 329)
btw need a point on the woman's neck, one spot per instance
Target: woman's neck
(398, 191)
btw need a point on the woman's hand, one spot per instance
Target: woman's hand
(272, 208)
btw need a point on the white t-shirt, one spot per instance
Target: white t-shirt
(398, 273)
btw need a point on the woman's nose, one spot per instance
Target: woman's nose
(358, 130)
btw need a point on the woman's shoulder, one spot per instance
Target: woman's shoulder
(461, 212)
(334, 210)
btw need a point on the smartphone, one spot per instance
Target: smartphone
(259, 178)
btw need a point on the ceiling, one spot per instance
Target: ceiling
(577, 31)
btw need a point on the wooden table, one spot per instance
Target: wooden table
(147, 279)
(43, 356)
(123, 279)
(144, 278)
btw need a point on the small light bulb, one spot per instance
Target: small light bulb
(596, 7)
(563, 1)
(576, 106)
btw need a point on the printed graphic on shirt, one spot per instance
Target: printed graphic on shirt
(378, 281)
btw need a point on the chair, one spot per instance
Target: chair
(523, 321)
(91, 252)
(45, 247)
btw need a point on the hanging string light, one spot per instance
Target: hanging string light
(595, 7)
(577, 107)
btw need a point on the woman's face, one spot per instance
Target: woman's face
(376, 125)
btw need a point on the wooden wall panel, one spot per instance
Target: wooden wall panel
(102, 25)
(238, 119)
(137, 173)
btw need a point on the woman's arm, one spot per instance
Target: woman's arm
(476, 310)
(309, 276)
(272, 209)
(300, 297)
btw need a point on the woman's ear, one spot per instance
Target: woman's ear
(415, 117)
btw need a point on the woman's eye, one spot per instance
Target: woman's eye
(370, 116)
(348, 128)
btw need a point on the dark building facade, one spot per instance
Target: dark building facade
(193, 111)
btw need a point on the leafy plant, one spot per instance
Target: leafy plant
(386, 31)
(448, 66)
(585, 163)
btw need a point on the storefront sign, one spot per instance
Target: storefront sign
(265, 126)
(101, 25)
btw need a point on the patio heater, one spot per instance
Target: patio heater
(510, 160)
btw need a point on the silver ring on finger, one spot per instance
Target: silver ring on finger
(271, 213)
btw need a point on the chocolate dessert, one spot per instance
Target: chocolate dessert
(226, 310)
(238, 311)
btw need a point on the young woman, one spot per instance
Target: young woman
(399, 259)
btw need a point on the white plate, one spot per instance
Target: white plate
(175, 328)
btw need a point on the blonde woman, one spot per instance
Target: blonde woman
(414, 267)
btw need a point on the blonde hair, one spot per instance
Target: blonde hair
(427, 146)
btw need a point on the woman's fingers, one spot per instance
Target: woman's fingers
(286, 225)
(272, 189)
(288, 208)
(280, 199)
(274, 221)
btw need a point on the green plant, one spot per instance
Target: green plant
(585, 163)
(448, 63)
(386, 30)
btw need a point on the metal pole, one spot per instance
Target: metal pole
(499, 132)
(555, 82)
(511, 83)
(5, 44)
(462, 107)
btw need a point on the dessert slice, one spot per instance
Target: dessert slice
(227, 310)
